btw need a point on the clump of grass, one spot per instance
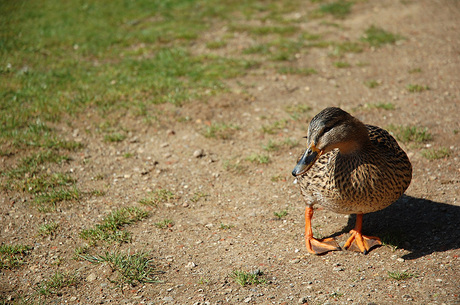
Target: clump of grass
(400, 276)
(296, 70)
(278, 178)
(114, 137)
(410, 133)
(372, 83)
(110, 230)
(381, 105)
(234, 166)
(346, 47)
(220, 131)
(12, 256)
(338, 9)
(416, 88)
(257, 158)
(197, 196)
(341, 64)
(277, 145)
(415, 70)
(393, 239)
(435, 154)
(244, 278)
(274, 127)
(377, 37)
(56, 282)
(297, 110)
(165, 223)
(158, 196)
(132, 269)
(225, 227)
(281, 214)
(48, 229)
(47, 202)
(216, 44)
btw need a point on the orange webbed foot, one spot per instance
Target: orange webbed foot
(361, 243)
(321, 246)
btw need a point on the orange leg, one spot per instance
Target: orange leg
(359, 242)
(316, 246)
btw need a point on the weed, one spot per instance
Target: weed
(298, 71)
(165, 223)
(110, 229)
(216, 44)
(393, 239)
(234, 166)
(415, 70)
(133, 269)
(114, 137)
(257, 158)
(416, 88)
(435, 154)
(278, 178)
(346, 47)
(48, 228)
(281, 214)
(297, 110)
(244, 278)
(399, 276)
(158, 196)
(56, 282)
(377, 37)
(12, 256)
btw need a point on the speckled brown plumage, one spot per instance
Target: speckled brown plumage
(350, 167)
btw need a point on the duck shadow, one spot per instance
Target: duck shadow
(417, 225)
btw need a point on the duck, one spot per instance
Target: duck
(349, 167)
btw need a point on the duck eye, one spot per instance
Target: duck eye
(326, 129)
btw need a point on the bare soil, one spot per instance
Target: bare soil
(234, 227)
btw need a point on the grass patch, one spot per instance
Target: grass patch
(56, 283)
(410, 133)
(384, 106)
(297, 71)
(114, 137)
(372, 83)
(234, 167)
(12, 256)
(225, 227)
(400, 276)
(377, 37)
(338, 9)
(414, 88)
(197, 196)
(132, 269)
(346, 47)
(48, 229)
(341, 64)
(275, 126)
(393, 239)
(220, 131)
(110, 230)
(435, 154)
(259, 159)
(244, 278)
(280, 214)
(277, 145)
(216, 44)
(158, 196)
(165, 223)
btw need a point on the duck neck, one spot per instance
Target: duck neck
(358, 140)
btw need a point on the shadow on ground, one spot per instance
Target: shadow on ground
(417, 225)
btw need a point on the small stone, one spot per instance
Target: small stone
(248, 299)
(191, 265)
(303, 300)
(168, 299)
(163, 145)
(295, 261)
(170, 132)
(91, 277)
(72, 299)
(337, 269)
(198, 153)
(400, 259)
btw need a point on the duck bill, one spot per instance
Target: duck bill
(307, 160)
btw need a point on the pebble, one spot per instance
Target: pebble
(198, 153)
(303, 300)
(91, 277)
(191, 265)
(248, 299)
(168, 299)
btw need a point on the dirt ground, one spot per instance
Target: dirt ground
(231, 225)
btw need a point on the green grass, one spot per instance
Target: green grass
(111, 228)
(258, 158)
(275, 126)
(338, 9)
(377, 37)
(381, 105)
(197, 196)
(56, 283)
(234, 166)
(297, 71)
(372, 83)
(12, 256)
(48, 229)
(220, 131)
(132, 269)
(436, 153)
(413, 88)
(408, 134)
(158, 196)
(244, 278)
(400, 276)
(225, 227)
(341, 64)
(281, 214)
(165, 223)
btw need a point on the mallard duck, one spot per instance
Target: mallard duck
(349, 168)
